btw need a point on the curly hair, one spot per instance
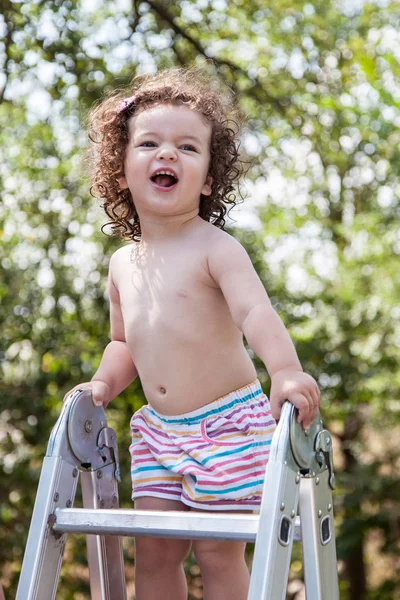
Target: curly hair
(108, 134)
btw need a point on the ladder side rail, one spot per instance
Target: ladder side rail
(57, 487)
(274, 542)
(44, 550)
(318, 538)
(104, 552)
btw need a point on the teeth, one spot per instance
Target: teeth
(164, 173)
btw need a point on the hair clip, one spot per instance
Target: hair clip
(126, 103)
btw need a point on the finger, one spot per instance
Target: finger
(312, 410)
(313, 397)
(97, 401)
(303, 406)
(276, 408)
(316, 398)
(98, 395)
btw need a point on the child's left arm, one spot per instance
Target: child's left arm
(252, 312)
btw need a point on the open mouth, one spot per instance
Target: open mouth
(164, 179)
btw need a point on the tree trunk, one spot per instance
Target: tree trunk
(355, 567)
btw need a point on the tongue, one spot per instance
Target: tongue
(164, 180)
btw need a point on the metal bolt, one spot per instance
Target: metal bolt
(317, 481)
(328, 441)
(329, 506)
(88, 426)
(75, 473)
(319, 514)
(56, 497)
(306, 432)
(68, 503)
(297, 479)
(99, 474)
(293, 514)
(282, 506)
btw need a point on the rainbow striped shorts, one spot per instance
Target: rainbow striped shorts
(212, 458)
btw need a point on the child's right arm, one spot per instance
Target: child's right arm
(116, 370)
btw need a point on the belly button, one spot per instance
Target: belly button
(163, 390)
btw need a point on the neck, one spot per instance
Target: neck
(156, 227)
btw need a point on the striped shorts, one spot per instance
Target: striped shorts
(212, 458)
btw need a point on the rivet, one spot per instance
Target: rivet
(306, 432)
(319, 514)
(75, 473)
(68, 503)
(88, 426)
(317, 481)
(293, 514)
(328, 441)
(101, 503)
(99, 474)
(282, 506)
(114, 499)
(56, 497)
(329, 506)
(297, 479)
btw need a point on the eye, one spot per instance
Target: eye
(189, 147)
(148, 144)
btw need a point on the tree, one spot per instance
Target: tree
(320, 84)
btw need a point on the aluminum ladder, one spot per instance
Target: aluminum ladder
(299, 477)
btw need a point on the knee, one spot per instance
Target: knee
(160, 553)
(218, 556)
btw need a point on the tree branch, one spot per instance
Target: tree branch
(136, 16)
(258, 92)
(7, 44)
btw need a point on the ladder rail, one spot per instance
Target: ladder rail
(79, 442)
(318, 538)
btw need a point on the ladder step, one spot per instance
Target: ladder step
(168, 524)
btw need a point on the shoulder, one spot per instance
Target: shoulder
(118, 261)
(218, 240)
(120, 256)
(225, 255)
(223, 246)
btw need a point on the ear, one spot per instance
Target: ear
(123, 184)
(207, 187)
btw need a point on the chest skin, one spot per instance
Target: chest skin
(167, 293)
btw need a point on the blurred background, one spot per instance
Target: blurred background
(320, 83)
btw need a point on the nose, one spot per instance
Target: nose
(167, 153)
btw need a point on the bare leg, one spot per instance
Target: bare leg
(159, 573)
(223, 569)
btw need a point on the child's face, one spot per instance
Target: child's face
(167, 138)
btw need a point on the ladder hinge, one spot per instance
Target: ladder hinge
(324, 454)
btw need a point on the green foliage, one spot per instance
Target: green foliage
(320, 84)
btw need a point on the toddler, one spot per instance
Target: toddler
(183, 293)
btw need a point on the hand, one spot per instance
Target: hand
(100, 392)
(300, 389)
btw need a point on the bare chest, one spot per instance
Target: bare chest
(166, 292)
